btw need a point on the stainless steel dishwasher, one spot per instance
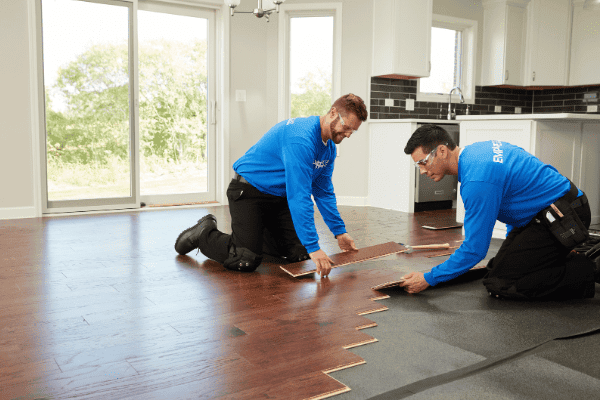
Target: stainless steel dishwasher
(437, 195)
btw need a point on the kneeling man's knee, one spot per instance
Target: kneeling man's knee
(242, 259)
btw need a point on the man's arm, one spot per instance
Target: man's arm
(297, 160)
(322, 190)
(482, 204)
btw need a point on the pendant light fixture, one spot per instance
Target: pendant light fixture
(259, 11)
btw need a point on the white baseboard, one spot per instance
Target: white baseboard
(352, 201)
(498, 233)
(18, 212)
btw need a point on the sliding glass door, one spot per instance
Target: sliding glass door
(126, 121)
(176, 55)
(88, 90)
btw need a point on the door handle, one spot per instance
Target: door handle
(213, 112)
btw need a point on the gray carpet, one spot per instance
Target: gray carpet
(455, 342)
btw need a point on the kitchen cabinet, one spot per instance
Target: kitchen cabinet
(526, 42)
(402, 38)
(568, 142)
(548, 43)
(585, 42)
(504, 30)
(392, 174)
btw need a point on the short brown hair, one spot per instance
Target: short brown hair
(352, 103)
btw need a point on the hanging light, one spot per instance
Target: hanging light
(232, 4)
(270, 6)
(592, 5)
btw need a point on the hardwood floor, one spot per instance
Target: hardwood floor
(101, 306)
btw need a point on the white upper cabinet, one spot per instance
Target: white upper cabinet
(504, 25)
(548, 43)
(526, 42)
(585, 46)
(402, 37)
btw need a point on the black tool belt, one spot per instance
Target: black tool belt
(240, 178)
(562, 220)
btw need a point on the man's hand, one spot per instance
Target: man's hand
(346, 242)
(414, 282)
(322, 261)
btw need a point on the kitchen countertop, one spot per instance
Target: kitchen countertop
(561, 116)
(493, 117)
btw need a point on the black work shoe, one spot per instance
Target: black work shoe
(188, 240)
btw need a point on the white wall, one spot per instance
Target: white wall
(16, 155)
(250, 70)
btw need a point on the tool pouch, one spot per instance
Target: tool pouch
(562, 220)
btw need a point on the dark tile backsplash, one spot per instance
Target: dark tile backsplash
(561, 100)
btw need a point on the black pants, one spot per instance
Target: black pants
(261, 223)
(532, 264)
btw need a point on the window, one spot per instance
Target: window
(453, 49)
(310, 66)
(446, 57)
(309, 77)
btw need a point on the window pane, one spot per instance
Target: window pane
(86, 79)
(311, 60)
(446, 45)
(173, 61)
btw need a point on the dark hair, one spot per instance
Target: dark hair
(428, 137)
(351, 103)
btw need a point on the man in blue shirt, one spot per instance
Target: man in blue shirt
(503, 182)
(270, 197)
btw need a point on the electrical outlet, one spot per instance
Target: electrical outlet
(389, 102)
(591, 97)
(498, 109)
(517, 110)
(410, 104)
(592, 108)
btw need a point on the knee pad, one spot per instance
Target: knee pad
(298, 254)
(594, 252)
(242, 259)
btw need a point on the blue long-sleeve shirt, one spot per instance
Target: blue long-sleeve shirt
(499, 181)
(292, 161)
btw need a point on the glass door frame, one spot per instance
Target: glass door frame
(131, 201)
(184, 10)
(218, 109)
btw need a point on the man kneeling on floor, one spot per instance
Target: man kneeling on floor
(546, 217)
(270, 197)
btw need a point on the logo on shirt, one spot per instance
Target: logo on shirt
(290, 121)
(320, 164)
(496, 144)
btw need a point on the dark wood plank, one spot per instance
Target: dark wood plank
(438, 220)
(345, 258)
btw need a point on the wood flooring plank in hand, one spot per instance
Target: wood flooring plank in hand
(387, 285)
(345, 258)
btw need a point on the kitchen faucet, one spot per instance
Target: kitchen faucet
(462, 100)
